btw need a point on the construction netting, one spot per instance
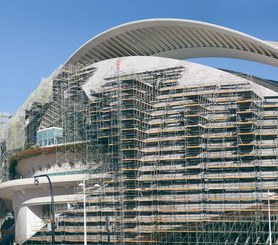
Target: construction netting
(13, 133)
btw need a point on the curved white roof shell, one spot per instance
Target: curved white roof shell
(174, 38)
(193, 73)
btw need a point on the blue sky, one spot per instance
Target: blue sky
(38, 36)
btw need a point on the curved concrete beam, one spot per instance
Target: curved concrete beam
(9, 188)
(174, 38)
(273, 43)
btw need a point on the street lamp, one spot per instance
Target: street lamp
(269, 220)
(52, 214)
(107, 229)
(83, 185)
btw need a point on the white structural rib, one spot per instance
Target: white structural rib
(174, 38)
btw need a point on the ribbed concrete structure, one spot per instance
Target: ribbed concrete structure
(174, 38)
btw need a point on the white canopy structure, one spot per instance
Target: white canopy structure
(174, 38)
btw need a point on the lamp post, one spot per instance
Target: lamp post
(107, 229)
(269, 220)
(83, 185)
(52, 214)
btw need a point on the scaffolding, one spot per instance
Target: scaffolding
(4, 119)
(179, 161)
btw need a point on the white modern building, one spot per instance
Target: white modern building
(184, 153)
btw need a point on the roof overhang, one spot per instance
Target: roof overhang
(9, 188)
(174, 38)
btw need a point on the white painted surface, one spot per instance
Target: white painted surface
(174, 38)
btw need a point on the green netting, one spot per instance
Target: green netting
(14, 131)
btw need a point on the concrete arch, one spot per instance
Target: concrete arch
(174, 38)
